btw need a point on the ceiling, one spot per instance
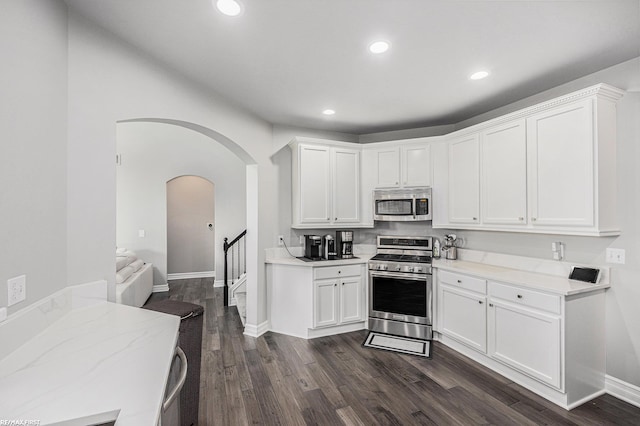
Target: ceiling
(288, 60)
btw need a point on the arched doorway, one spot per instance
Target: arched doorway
(251, 208)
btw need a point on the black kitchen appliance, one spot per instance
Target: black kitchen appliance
(344, 243)
(313, 247)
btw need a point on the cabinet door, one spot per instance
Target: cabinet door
(351, 299)
(463, 317)
(504, 174)
(416, 165)
(315, 183)
(561, 165)
(325, 302)
(346, 185)
(464, 180)
(388, 166)
(527, 340)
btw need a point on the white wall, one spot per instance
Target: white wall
(33, 139)
(110, 81)
(154, 153)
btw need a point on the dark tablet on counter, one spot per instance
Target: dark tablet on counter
(588, 275)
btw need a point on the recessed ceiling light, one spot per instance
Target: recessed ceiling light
(478, 75)
(328, 112)
(229, 7)
(380, 46)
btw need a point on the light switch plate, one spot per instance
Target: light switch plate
(141, 233)
(615, 255)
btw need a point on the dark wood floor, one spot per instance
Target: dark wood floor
(281, 380)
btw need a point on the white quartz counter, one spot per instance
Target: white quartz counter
(280, 256)
(294, 261)
(535, 280)
(93, 359)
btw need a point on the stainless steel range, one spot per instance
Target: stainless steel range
(401, 287)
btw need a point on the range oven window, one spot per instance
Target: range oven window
(398, 207)
(399, 296)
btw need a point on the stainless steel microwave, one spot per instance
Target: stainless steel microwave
(411, 204)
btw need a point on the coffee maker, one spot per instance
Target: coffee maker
(344, 244)
(313, 247)
(329, 247)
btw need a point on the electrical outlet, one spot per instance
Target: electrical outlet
(17, 289)
(615, 255)
(280, 240)
(141, 233)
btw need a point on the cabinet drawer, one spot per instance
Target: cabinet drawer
(524, 297)
(463, 281)
(337, 271)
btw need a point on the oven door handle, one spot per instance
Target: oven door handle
(415, 277)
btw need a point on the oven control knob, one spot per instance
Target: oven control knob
(382, 267)
(417, 269)
(398, 268)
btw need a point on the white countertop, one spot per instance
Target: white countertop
(294, 261)
(548, 283)
(94, 359)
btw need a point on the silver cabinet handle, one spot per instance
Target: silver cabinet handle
(459, 281)
(519, 296)
(475, 218)
(480, 302)
(491, 304)
(183, 377)
(534, 219)
(521, 218)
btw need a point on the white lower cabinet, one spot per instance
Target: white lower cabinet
(549, 343)
(337, 295)
(462, 309)
(527, 340)
(309, 301)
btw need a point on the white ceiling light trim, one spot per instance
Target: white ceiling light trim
(229, 7)
(479, 75)
(328, 111)
(379, 46)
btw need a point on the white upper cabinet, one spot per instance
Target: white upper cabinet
(504, 178)
(401, 164)
(561, 165)
(464, 179)
(388, 167)
(550, 168)
(416, 165)
(315, 184)
(325, 185)
(346, 185)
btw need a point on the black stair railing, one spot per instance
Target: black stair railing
(238, 250)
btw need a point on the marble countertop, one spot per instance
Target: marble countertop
(94, 359)
(534, 280)
(294, 261)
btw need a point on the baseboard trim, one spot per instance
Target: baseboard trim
(256, 331)
(160, 288)
(218, 283)
(187, 275)
(622, 390)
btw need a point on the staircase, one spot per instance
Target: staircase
(238, 296)
(235, 274)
